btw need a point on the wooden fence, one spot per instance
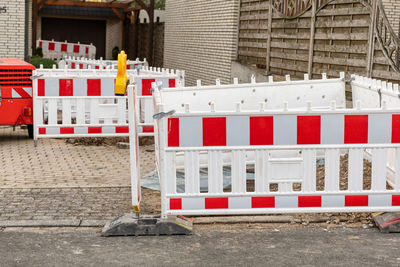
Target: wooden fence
(318, 36)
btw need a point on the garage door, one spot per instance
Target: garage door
(75, 30)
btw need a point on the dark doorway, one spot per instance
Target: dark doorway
(76, 30)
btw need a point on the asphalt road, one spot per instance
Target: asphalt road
(227, 245)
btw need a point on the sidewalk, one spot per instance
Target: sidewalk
(58, 183)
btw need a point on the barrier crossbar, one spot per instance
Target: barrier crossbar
(87, 63)
(208, 137)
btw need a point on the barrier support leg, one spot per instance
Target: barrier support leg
(135, 224)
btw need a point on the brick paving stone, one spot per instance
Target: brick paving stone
(53, 163)
(59, 182)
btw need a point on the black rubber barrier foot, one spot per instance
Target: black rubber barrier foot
(388, 222)
(147, 225)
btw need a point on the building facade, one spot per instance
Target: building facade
(201, 38)
(13, 28)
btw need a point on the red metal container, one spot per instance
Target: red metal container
(16, 93)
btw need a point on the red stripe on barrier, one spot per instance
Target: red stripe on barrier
(51, 46)
(94, 87)
(356, 201)
(96, 67)
(396, 200)
(95, 130)
(66, 130)
(87, 50)
(214, 131)
(395, 128)
(40, 44)
(261, 131)
(148, 129)
(309, 201)
(171, 83)
(308, 130)
(41, 87)
(128, 67)
(64, 47)
(81, 66)
(263, 202)
(76, 48)
(146, 86)
(356, 129)
(66, 87)
(21, 92)
(216, 203)
(173, 132)
(122, 129)
(73, 65)
(175, 204)
(42, 130)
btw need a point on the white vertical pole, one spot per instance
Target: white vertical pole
(134, 149)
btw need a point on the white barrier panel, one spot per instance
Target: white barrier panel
(238, 131)
(372, 93)
(84, 105)
(85, 63)
(58, 50)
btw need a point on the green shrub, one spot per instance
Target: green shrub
(115, 53)
(39, 51)
(46, 62)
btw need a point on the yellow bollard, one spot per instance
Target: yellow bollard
(122, 78)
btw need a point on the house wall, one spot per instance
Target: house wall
(12, 29)
(392, 10)
(113, 36)
(201, 38)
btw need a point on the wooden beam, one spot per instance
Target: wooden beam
(267, 71)
(312, 38)
(86, 4)
(371, 39)
(34, 25)
(119, 15)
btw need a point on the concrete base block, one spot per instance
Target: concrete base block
(132, 225)
(388, 222)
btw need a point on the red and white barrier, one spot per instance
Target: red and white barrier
(83, 104)
(238, 133)
(372, 93)
(58, 50)
(85, 63)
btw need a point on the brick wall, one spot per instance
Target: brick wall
(392, 10)
(113, 36)
(12, 29)
(201, 38)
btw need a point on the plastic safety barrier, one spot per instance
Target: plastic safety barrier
(82, 104)
(372, 93)
(241, 135)
(58, 50)
(85, 63)
(242, 130)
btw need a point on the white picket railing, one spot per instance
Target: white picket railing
(58, 50)
(81, 103)
(85, 63)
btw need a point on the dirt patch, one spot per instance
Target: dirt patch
(106, 141)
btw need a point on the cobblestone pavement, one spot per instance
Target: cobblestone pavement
(59, 181)
(53, 163)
